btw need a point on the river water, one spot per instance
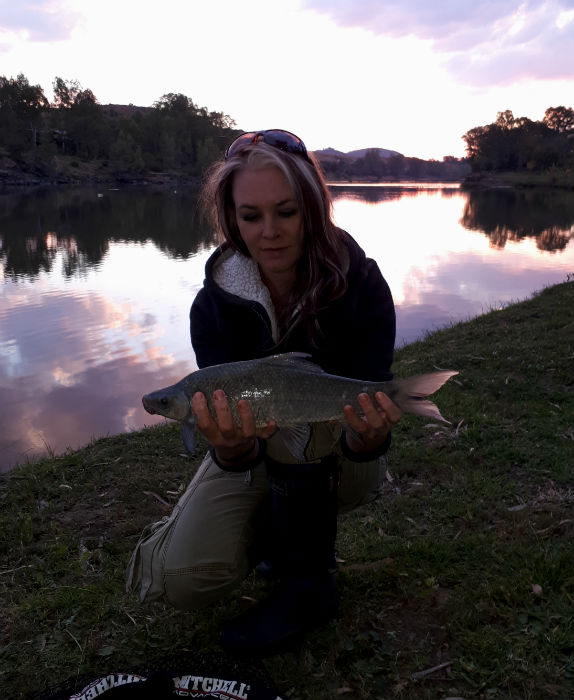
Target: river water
(96, 285)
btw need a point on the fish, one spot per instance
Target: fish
(291, 390)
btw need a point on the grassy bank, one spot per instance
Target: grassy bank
(457, 582)
(554, 177)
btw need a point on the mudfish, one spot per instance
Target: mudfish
(289, 389)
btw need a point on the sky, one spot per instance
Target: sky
(408, 75)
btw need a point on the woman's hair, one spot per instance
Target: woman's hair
(321, 274)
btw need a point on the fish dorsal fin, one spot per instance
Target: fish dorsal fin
(293, 359)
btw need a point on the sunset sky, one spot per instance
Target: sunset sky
(408, 75)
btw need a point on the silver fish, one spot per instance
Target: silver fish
(289, 389)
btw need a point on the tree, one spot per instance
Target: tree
(560, 119)
(175, 134)
(80, 125)
(371, 163)
(21, 110)
(519, 143)
(505, 120)
(65, 92)
(126, 155)
(480, 146)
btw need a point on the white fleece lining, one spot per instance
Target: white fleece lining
(239, 275)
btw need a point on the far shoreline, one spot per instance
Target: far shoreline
(560, 179)
(74, 173)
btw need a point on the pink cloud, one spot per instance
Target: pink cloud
(483, 42)
(43, 20)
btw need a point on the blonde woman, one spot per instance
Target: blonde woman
(284, 279)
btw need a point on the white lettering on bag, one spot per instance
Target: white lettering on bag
(101, 685)
(198, 686)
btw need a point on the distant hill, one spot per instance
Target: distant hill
(384, 165)
(333, 153)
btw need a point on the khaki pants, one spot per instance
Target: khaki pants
(204, 549)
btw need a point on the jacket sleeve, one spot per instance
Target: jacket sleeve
(373, 330)
(372, 327)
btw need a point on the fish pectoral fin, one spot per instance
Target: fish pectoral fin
(296, 439)
(188, 434)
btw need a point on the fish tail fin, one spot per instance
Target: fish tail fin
(413, 390)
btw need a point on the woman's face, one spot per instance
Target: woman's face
(269, 221)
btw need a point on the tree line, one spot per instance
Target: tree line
(373, 167)
(174, 135)
(512, 144)
(75, 133)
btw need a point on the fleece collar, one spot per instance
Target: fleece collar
(239, 275)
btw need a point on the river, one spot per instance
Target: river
(96, 285)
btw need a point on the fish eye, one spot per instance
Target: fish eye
(164, 401)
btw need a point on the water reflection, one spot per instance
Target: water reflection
(81, 223)
(441, 266)
(379, 193)
(95, 290)
(510, 215)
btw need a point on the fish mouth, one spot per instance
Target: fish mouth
(167, 403)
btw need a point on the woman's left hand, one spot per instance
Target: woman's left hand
(371, 428)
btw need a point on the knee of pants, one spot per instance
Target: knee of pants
(197, 588)
(359, 484)
(207, 553)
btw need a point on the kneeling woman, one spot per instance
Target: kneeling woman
(284, 279)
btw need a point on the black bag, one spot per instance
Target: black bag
(211, 677)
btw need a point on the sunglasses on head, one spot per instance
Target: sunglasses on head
(278, 138)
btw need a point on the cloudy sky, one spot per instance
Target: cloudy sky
(409, 75)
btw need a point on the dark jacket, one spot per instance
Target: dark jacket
(358, 330)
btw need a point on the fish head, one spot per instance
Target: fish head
(170, 402)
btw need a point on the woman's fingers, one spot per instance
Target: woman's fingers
(267, 431)
(221, 428)
(376, 419)
(391, 411)
(373, 415)
(246, 418)
(223, 417)
(204, 420)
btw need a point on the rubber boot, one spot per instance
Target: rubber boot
(304, 515)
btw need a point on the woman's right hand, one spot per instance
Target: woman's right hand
(232, 443)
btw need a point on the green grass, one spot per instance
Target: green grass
(464, 563)
(553, 177)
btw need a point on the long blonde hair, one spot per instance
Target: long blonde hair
(321, 277)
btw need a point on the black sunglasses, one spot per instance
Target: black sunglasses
(278, 138)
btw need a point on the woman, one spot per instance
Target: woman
(285, 279)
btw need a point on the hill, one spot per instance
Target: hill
(385, 165)
(327, 153)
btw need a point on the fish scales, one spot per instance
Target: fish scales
(288, 393)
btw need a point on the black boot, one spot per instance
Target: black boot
(304, 508)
